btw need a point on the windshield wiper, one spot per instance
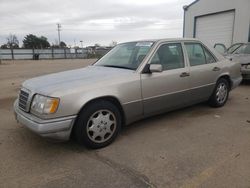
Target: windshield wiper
(118, 66)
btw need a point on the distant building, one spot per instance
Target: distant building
(218, 21)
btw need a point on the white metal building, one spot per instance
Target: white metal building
(218, 21)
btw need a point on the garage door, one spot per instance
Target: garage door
(216, 28)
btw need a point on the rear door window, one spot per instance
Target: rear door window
(196, 54)
(209, 57)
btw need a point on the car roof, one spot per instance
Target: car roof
(165, 40)
(177, 39)
(242, 43)
(217, 54)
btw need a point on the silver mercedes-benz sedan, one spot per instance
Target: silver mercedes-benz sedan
(133, 81)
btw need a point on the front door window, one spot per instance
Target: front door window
(170, 56)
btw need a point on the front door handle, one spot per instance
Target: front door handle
(216, 69)
(184, 74)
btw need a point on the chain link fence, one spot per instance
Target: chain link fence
(52, 53)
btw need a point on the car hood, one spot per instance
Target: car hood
(241, 58)
(62, 81)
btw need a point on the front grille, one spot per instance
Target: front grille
(23, 100)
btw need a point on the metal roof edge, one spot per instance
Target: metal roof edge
(187, 6)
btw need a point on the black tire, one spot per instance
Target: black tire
(81, 131)
(214, 100)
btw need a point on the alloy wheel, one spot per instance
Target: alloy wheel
(101, 126)
(221, 93)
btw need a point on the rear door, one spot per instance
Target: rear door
(204, 70)
(166, 90)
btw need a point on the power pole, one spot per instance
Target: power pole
(81, 43)
(82, 47)
(58, 30)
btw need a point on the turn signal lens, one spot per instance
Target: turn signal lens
(51, 105)
(54, 106)
(44, 105)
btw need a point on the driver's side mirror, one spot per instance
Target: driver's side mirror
(155, 68)
(150, 68)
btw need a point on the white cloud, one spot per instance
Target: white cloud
(95, 21)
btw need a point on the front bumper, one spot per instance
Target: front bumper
(58, 128)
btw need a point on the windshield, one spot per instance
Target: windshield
(127, 55)
(233, 48)
(244, 49)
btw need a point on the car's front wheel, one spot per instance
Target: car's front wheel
(220, 94)
(98, 124)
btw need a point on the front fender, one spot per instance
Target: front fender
(128, 93)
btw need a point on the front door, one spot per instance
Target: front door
(166, 90)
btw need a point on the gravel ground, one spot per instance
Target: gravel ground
(197, 146)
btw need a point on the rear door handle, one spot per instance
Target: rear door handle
(216, 69)
(184, 74)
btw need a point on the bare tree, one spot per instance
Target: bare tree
(12, 41)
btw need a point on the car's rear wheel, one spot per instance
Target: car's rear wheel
(98, 124)
(220, 94)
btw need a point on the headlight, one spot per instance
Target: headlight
(44, 105)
